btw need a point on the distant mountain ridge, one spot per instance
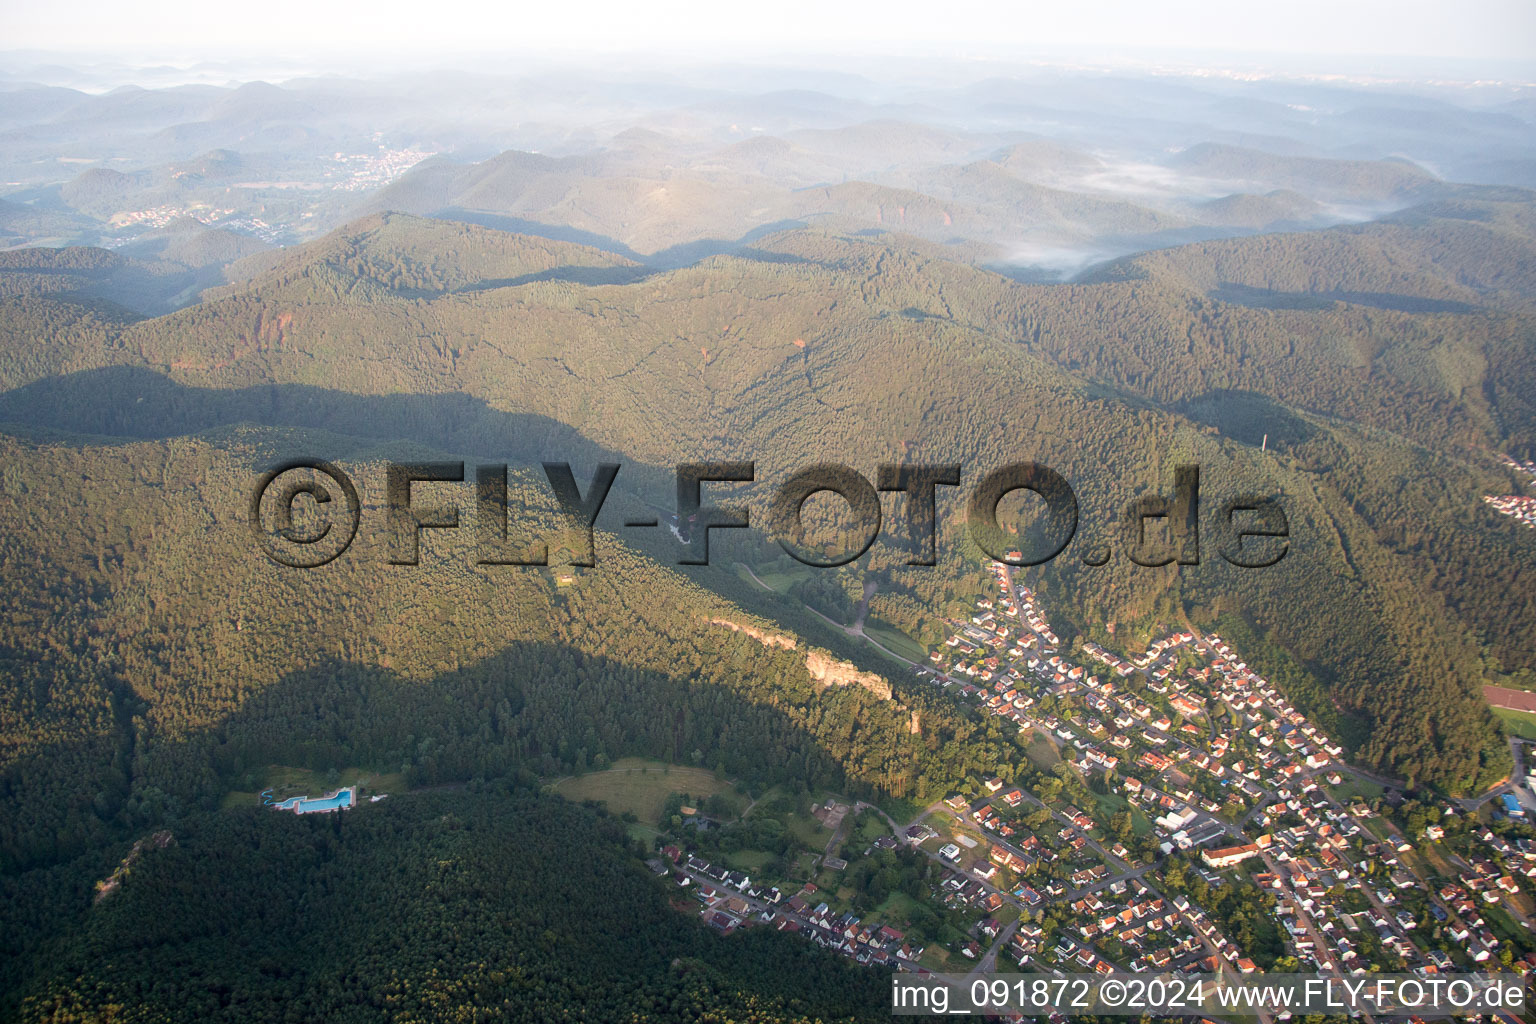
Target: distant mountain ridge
(1356, 180)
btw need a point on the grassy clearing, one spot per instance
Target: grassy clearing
(806, 829)
(1378, 828)
(1355, 788)
(896, 911)
(286, 781)
(935, 958)
(1042, 750)
(641, 787)
(871, 827)
(778, 575)
(772, 804)
(803, 826)
(750, 861)
(1517, 723)
(1107, 805)
(1417, 863)
(642, 833)
(1504, 926)
(899, 642)
(1431, 855)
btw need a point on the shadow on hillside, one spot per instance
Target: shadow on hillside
(1267, 298)
(572, 274)
(536, 705)
(532, 709)
(544, 707)
(116, 405)
(344, 714)
(121, 292)
(688, 253)
(130, 402)
(1248, 417)
(685, 254)
(538, 229)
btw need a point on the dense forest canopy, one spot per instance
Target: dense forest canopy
(1379, 427)
(772, 301)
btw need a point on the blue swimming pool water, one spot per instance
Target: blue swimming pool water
(304, 805)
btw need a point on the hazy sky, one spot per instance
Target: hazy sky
(1493, 29)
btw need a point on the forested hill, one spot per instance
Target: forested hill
(155, 656)
(1383, 422)
(1475, 251)
(155, 661)
(1321, 293)
(448, 907)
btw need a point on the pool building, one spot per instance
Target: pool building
(338, 800)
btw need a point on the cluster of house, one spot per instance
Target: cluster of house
(1491, 879)
(1219, 761)
(1517, 858)
(1151, 936)
(1318, 931)
(1516, 506)
(729, 897)
(1008, 667)
(355, 172)
(1527, 467)
(1327, 937)
(1156, 932)
(958, 890)
(1146, 720)
(1163, 934)
(732, 901)
(1522, 509)
(866, 942)
(1469, 930)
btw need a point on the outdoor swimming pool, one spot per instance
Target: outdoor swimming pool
(305, 805)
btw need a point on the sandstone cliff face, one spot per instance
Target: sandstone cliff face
(765, 638)
(822, 666)
(829, 671)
